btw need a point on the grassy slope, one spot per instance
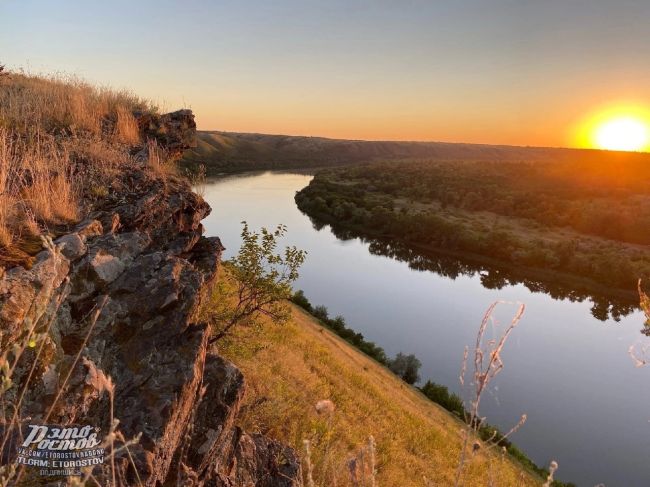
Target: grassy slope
(62, 144)
(289, 368)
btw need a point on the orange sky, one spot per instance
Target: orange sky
(522, 73)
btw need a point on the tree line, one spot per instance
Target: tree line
(445, 207)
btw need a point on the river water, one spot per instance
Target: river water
(588, 406)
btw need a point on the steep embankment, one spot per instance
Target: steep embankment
(290, 368)
(116, 297)
(100, 322)
(230, 151)
(103, 271)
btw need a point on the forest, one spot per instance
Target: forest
(587, 219)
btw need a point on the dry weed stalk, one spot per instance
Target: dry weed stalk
(639, 351)
(309, 469)
(362, 467)
(371, 454)
(551, 471)
(199, 180)
(644, 301)
(487, 365)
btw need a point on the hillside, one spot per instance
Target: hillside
(229, 151)
(103, 265)
(290, 368)
(103, 272)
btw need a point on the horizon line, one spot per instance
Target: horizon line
(596, 149)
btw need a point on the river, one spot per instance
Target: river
(587, 405)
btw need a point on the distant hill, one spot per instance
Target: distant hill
(230, 151)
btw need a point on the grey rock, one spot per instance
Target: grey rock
(121, 292)
(174, 131)
(72, 246)
(258, 461)
(106, 267)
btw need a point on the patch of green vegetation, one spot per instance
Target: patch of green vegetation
(339, 326)
(524, 215)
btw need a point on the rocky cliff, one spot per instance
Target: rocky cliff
(113, 303)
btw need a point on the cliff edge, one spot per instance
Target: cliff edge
(111, 305)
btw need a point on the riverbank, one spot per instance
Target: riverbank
(608, 302)
(521, 247)
(434, 312)
(290, 368)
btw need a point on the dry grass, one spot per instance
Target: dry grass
(126, 127)
(69, 105)
(290, 368)
(52, 130)
(158, 160)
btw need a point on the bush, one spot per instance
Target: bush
(441, 395)
(262, 280)
(407, 367)
(321, 313)
(340, 327)
(301, 300)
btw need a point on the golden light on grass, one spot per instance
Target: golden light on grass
(619, 128)
(290, 368)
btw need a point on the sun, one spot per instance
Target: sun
(623, 126)
(622, 134)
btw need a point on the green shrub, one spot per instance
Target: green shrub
(340, 327)
(441, 395)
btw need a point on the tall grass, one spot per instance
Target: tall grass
(53, 130)
(67, 104)
(158, 160)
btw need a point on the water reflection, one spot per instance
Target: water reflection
(491, 276)
(587, 404)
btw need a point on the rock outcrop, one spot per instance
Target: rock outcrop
(175, 131)
(115, 305)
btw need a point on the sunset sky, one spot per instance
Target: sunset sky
(514, 72)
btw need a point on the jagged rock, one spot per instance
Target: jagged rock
(25, 294)
(107, 258)
(257, 461)
(175, 131)
(116, 299)
(72, 246)
(89, 228)
(215, 416)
